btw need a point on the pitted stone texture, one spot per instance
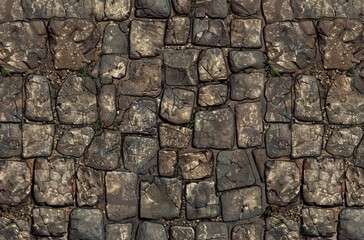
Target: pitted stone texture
(291, 45)
(202, 201)
(114, 40)
(212, 95)
(343, 141)
(23, 45)
(246, 86)
(341, 43)
(195, 164)
(151, 230)
(241, 204)
(306, 140)
(249, 124)
(171, 136)
(140, 154)
(107, 105)
(278, 140)
(181, 233)
(351, 221)
(140, 117)
(167, 162)
(112, 67)
(213, 9)
(146, 38)
(38, 100)
(358, 155)
(119, 231)
(323, 181)
(117, 10)
(90, 185)
(11, 10)
(240, 60)
(318, 222)
(177, 105)
(181, 66)
(278, 227)
(10, 140)
(178, 30)
(48, 222)
(248, 231)
(15, 228)
(213, 129)
(246, 33)
(11, 99)
(15, 182)
(71, 42)
(86, 224)
(212, 65)
(245, 8)
(154, 9)
(76, 101)
(208, 32)
(283, 182)
(53, 181)
(233, 170)
(212, 230)
(260, 158)
(160, 199)
(145, 78)
(37, 140)
(182, 6)
(354, 181)
(121, 195)
(279, 98)
(74, 141)
(277, 10)
(104, 151)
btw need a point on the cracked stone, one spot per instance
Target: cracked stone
(37, 140)
(207, 32)
(323, 181)
(119, 231)
(212, 65)
(277, 10)
(280, 226)
(247, 231)
(86, 224)
(121, 195)
(117, 10)
(171, 136)
(90, 185)
(15, 228)
(156, 9)
(240, 60)
(182, 6)
(48, 222)
(10, 140)
(112, 67)
(11, 99)
(245, 8)
(246, 33)
(74, 141)
(358, 154)
(195, 164)
(107, 104)
(307, 140)
(233, 170)
(114, 40)
(202, 201)
(343, 141)
(354, 181)
(213, 9)
(11, 10)
(53, 181)
(246, 86)
(351, 221)
(278, 140)
(178, 30)
(318, 222)
(212, 95)
(150, 230)
(181, 233)
(212, 230)
(167, 162)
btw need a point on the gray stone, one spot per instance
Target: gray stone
(121, 195)
(182, 6)
(167, 162)
(195, 164)
(323, 181)
(359, 155)
(119, 231)
(178, 30)
(278, 140)
(245, 8)
(11, 99)
(351, 221)
(279, 226)
(212, 65)
(343, 141)
(112, 67)
(277, 10)
(260, 158)
(246, 86)
(114, 40)
(37, 140)
(171, 136)
(10, 140)
(240, 60)
(354, 180)
(107, 105)
(181, 233)
(15, 228)
(202, 201)
(53, 181)
(207, 32)
(86, 224)
(213, 9)
(148, 9)
(318, 222)
(90, 186)
(74, 141)
(151, 230)
(212, 230)
(117, 10)
(246, 33)
(49, 222)
(11, 10)
(248, 231)
(212, 95)
(213, 129)
(307, 140)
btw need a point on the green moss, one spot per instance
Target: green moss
(274, 71)
(4, 72)
(267, 213)
(83, 72)
(97, 125)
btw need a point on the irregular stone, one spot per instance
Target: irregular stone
(260, 158)
(10, 140)
(351, 221)
(117, 10)
(86, 224)
(240, 60)
(181, 233)
(178, 30)
(212, 129)
(121, 195)
(195, 164)
(354, 181)
(37, 140)
(211, 65)
(177, 105)
(172, 136)
(306, 140)
(49, 222)
(213, 9)
(202, 201)
(323, 181)
(246, 86)
(53, 181)
(291, 45)
(279, 226)
(358, 155)
(11, 10)
(212, 95)
(114, 40)
(119, 231)
(318, 222)
(107, 104)
(15, 228)
(158, 9)
(207, 32)
(212, 230)
(249, 124)
(283, 182)
(277, 10)
(182, 6)
(233, 170)
(146, 38)
(247, 231)
(245, 8)
(343, 141)
(112, 67)
(11, 99)
(278, 140)
(140, 153)
(74, 141)
(167, 163)
(151, 230)
(76, 101)
(181, 66)
(246, 33)
(90, 185)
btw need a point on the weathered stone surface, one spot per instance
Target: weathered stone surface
(245, 8)
(114, 40)
(181, 66)
(71, 42)
(121, 195)
(240, 60)
(157, 9)
(76, 101)
(279, 99)
(213, 9)
(11, 99)
(278, 140)
(358, 155)
(247, 231)
(291, 45)
(53, 181)
(277, 10)
(182, 6)
(195, 164)
(354, 181)
(212, 65)
(37, 140)
(202, 201)
(246, 33)
(15, 182)
(279, 226)
(318, 222)
(351, 221)
(178, 30)
(172, 136)
(212, 230)
(167, 162)
(260, 158)
(90, 185)
(249, 124)
(119, 231)
(213, 129)
(283, 182)
(212, 95)
(343, 141)
(246, 86)
(74, 141)
(151, 230)
(15, 228)
(112, 67)
(10, 140)
(86, 224)
(140, 153)
(323, 181)
(107, 104)
(38, 100)
(48, 222)
(233, 170)
(306, 140)
(177, 105)
(117, 10)
(181, 233)
(11, 10)
(161, 198)
(145, 78)
(208, 32)
(241, 204)
(146, 38)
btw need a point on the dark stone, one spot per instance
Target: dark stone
(278, 140)
(212, 230)
(207, 32)
(181, 233)
(351, 221)
(151, 230)
(167, 162)
(15, 228)
(112, 67)
(90, 186)
(307, 140)
(212, 95)
(248, 231)
(213, 9)
(157, 9)
(245, 8)
(358, 155)
(178, 30)
(119, 231)
(246, 86)
(343, 141)
(182, 6)
(11, 99)
(114, 40)
(10, 140)
(37, 140)
(48, 222)
(212, 65)
(11, 10)
(107, 105)
(260, 158)
(278, 226)
(246, 33)
(117, 10)
(240, 60)
(172, 136)
(354, 180)
(318, 222)
(195, 164)
(277, 10)
(74, 141)
(86, 224)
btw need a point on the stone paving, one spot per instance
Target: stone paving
(181, 120)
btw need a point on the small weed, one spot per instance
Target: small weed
(350, 72)
(274, 71)
(194, 6)
(83, 72)
(117, 122)
(267, 213)
(191, 124)
(4, 72)
(97, 125)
